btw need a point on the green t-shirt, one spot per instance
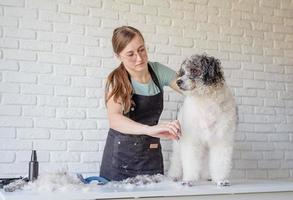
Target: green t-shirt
(165, 76)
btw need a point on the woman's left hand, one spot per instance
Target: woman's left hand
(168, 130)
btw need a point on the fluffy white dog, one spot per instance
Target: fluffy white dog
(208, 121)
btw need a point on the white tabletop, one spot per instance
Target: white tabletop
(164, 189)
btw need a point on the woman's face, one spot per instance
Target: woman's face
(134, 55)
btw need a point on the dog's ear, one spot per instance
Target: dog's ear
(212, 73)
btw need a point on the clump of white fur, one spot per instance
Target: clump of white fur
(62, 181)
(138, 181)
(58, 181)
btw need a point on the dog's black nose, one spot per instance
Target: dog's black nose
(179, 82)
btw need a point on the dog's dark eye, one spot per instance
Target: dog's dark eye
(194, 72)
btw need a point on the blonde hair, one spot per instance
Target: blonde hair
(118, 84)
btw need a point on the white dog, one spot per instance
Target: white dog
(208, 121)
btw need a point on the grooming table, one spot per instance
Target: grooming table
(240, 190)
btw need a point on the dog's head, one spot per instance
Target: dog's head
(199, 71)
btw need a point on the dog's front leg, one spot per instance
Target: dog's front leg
(175, 170)
(220, 162)
(191, 155)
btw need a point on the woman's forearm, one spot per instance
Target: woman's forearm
(126, 125)
(170, 130)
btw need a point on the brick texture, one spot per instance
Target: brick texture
(55, 56)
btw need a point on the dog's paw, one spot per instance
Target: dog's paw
(175, 179)
(188, 183)
(223, 183)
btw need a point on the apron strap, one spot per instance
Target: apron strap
(154, 77)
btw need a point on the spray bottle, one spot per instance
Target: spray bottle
(33, 167)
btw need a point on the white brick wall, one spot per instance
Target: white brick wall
(56, 54)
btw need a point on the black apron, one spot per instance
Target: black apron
(127, 155)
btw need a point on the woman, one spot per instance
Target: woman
(134, 100)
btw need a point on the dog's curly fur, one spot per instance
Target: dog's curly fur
(208, 121)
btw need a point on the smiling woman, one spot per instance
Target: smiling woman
(134, 99)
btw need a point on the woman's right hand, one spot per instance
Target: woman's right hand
(167, 130)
